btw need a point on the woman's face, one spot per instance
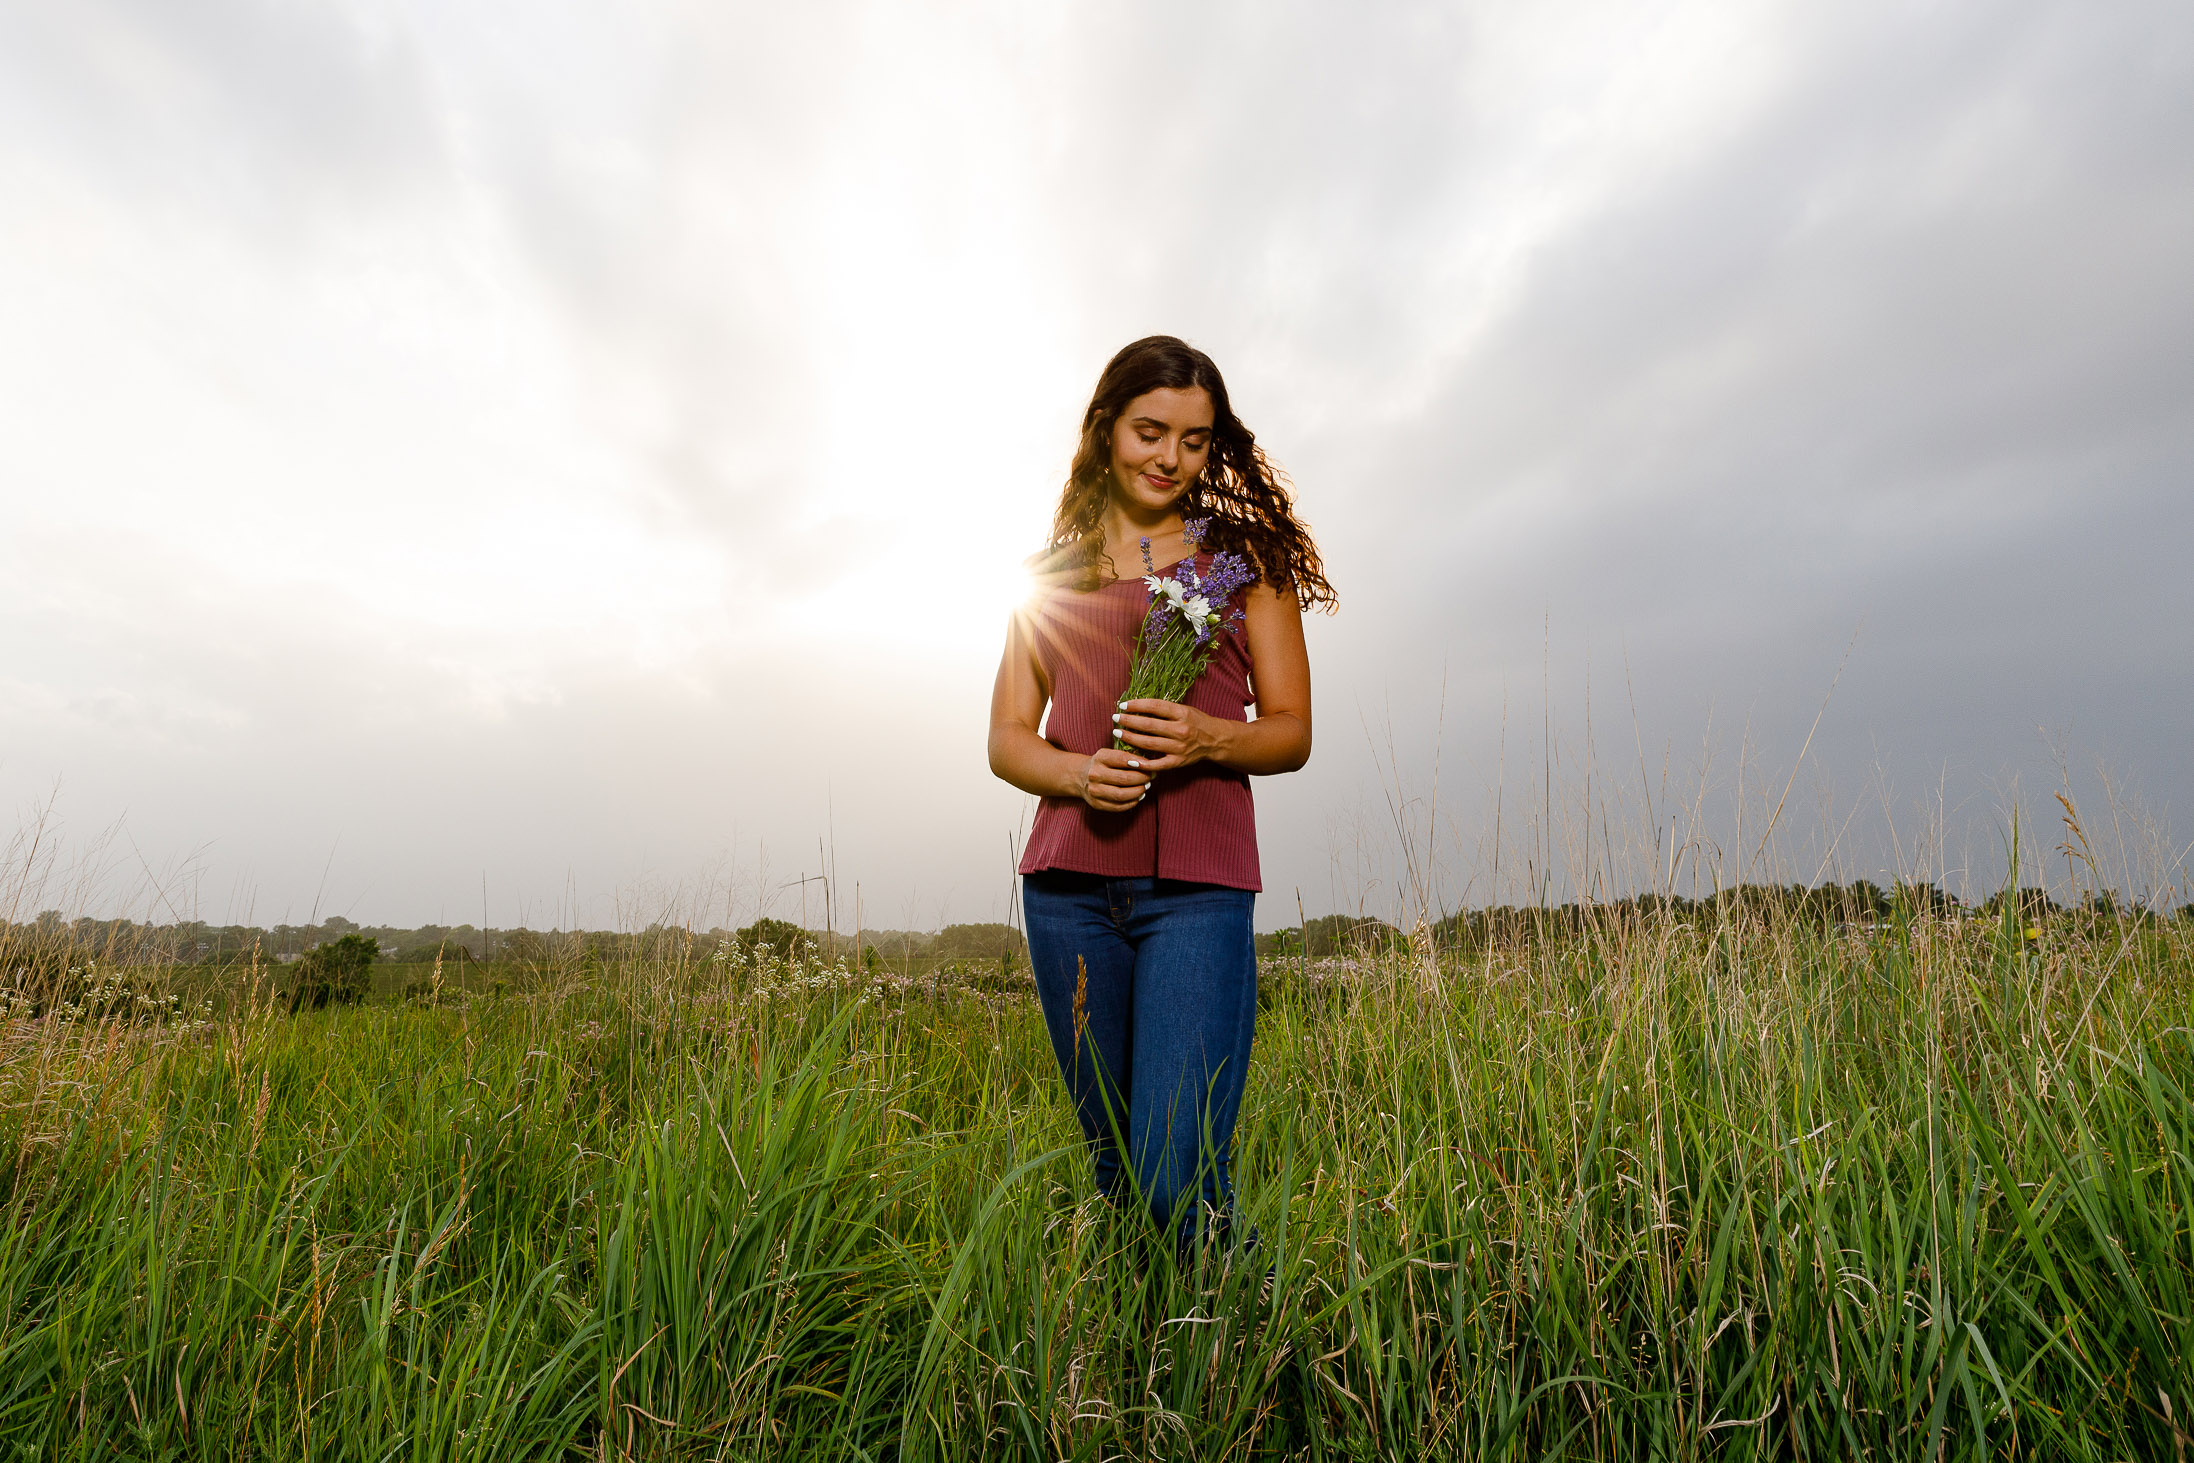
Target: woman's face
(1159, 445)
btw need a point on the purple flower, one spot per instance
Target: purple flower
(1228, 573)
(1192, 529)
(1154, 623)
(1148, 567)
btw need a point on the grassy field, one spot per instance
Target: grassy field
(1655, 1188)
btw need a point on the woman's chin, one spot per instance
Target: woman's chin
(1148, 502)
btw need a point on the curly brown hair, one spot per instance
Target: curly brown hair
(1243, 492)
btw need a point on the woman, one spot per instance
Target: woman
(1141, 870)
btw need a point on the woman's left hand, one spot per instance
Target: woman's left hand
(1174, 734)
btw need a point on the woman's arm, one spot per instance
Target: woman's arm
(1110, 781)
(1277, 741)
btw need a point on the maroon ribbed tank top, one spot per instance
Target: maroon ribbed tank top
(1196, 823)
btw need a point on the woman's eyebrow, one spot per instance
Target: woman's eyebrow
(1165, 426)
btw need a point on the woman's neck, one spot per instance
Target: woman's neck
(1125, 531)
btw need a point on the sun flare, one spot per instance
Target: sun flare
(939, 607)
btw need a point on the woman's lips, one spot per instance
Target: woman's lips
(1156, 481)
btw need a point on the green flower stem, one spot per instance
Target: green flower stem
(1165, 671)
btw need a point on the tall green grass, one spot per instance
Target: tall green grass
(1648, 1189)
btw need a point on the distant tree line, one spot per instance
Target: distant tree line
(49, 938)
(48, 945)
(1824, 906)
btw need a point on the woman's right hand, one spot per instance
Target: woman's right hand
(1112, 782)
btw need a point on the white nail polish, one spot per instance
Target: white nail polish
(1132, 763)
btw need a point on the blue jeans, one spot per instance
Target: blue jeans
(1155, 1049)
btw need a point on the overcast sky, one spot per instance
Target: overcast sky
(582, 452)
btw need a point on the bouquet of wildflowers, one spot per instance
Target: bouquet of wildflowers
(1182, 626)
